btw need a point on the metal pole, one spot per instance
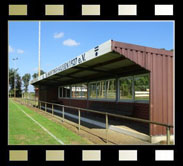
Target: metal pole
(63, 113)
(39, 105)
(106, 120)
(35, 100)
(168, 134)
(39, 73)
(79, 119)
(45, 107)
(52, 109)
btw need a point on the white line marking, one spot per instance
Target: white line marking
(58, 140)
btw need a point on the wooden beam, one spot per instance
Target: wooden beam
(92, 69)
(109, 62)
(100, 64)
(67, 76)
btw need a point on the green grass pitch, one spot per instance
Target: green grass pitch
(22, 130)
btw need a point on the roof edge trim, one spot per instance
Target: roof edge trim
(116, 44)
(91, 54)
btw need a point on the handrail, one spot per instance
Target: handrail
(115, 115)
(168, 126)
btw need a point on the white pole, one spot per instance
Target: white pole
(39, 73)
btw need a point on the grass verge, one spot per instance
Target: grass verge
(24, 131)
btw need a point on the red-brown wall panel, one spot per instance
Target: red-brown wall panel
(160, 64)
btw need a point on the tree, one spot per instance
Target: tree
(35, 75)
(11, 79)
(18, 86)
(26, 79)
(15, 81)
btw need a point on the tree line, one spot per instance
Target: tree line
(21, 83)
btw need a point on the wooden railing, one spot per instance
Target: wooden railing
(106, 114)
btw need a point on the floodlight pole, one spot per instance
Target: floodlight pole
(39, 72)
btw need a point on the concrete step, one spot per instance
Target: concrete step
(121, 129)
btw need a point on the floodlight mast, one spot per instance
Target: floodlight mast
(39, 52)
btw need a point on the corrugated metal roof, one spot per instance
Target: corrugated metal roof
(160, 64)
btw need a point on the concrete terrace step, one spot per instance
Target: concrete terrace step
(129, 131)
(121, 128)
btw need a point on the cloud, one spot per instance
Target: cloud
(70, 42)
(58, 35)
(20, 51)
(11, 49)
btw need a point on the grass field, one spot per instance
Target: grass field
(27, 127)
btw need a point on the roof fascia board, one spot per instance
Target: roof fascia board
(91, 54)
(116, 44)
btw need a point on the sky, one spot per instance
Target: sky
(64, 40)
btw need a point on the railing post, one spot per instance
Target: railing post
(168, 135)
(45, 107)
(52, 109)
(63, 113)
(107, 126)
(79, 119)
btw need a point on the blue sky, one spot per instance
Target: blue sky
(64, 40)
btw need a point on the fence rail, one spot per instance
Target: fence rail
(106, 114)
